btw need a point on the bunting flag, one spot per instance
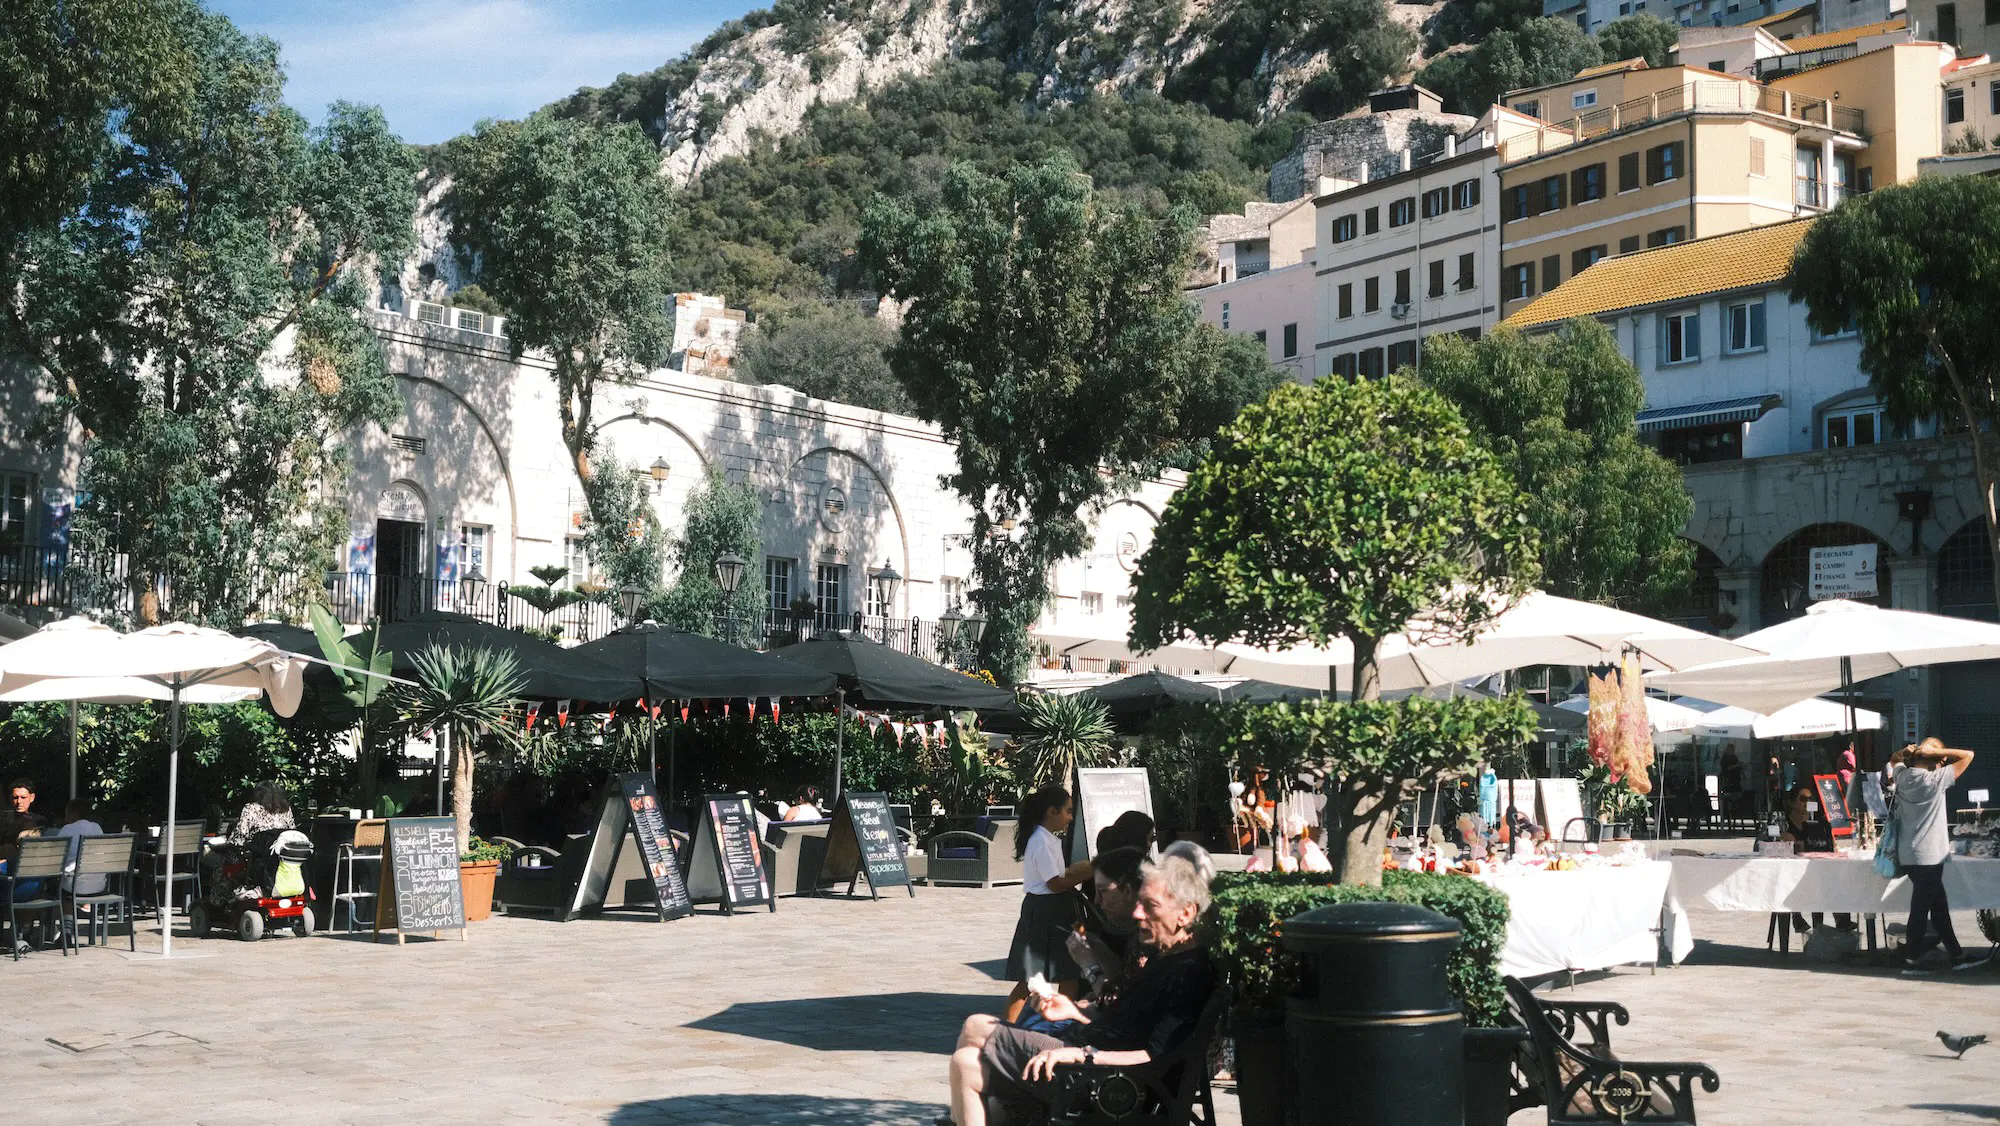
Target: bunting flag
(562, 713)
(938, 730)
(684, 711)
(753, 709)
(898, 728)
(774, 709)
(725, 709)
(533, 711)
(606, 725)
(874, 725)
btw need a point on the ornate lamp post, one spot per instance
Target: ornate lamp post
(469, 584)
(629, 597)
(660, 469)
(728, 577)
(885, 582)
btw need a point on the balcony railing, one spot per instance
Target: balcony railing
(1687, 98)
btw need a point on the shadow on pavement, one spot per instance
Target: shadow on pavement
(1992, 1112)
(777, 1110)
(890, 1022)
(995, 968)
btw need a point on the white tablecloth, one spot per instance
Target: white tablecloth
(1587, 919)
(1820, 884)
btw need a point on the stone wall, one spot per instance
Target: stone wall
(1339, 148)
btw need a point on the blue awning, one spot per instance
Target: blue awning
(1748, 409)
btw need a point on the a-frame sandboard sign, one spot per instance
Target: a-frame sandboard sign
(420, 888)
(863, 844)
(726, 860)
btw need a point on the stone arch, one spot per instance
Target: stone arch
(1700, 607)
(689, 465)
(1786, 579)
(499, 448)
(829, 477)
(1965, 573)
(1832, 501)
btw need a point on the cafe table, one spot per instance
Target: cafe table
(1824, 883)
(1587, 918)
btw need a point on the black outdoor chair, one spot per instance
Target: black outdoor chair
(1580, 1081)
(1169, 1091)
(113, 857)
(186, 851)
(41, 861)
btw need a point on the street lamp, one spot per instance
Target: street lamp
(468, 587)
(728, 577)
(660, 470)
(885, 582)
(956, 629)
(628, 601)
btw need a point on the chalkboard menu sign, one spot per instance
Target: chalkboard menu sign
(1833, 804)
(1871, 796)
(656, 846)
(863, 843)
(728, 862)
(1102, 793)
(420, 889)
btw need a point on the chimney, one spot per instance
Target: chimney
(1450, 145)
(1403, 160)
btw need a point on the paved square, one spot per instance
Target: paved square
(829, 1011)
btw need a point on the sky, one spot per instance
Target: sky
(436, 67)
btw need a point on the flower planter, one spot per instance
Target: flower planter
(475, 880)
(1264, 1084)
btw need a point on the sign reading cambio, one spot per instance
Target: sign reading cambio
(1844, 572)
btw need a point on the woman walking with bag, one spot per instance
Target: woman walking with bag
(1924, 775)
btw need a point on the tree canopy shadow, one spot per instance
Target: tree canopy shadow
(888, 1022)
(778, 1110)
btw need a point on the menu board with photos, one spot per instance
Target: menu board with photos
(420, 888)
(656, 846)
(727, 865)
(863, 843)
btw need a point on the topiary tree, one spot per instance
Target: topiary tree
(1339, 511)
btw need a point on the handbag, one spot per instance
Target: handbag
(1885, 850)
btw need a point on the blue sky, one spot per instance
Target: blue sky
(438, 66)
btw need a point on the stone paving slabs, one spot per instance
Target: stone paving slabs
(828, 1012)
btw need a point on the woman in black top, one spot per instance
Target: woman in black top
(1151, 1016)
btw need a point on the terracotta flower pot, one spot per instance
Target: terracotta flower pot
(476, 881)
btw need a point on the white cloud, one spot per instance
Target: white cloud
(436, 67)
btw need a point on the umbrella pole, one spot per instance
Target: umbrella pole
(72, 750)
(166, 896)
(673, 740)
(839, 738)
(653, 751)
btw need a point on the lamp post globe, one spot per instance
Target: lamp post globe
(628, 601)
(468, 587)
(729, 571)
(886, 581)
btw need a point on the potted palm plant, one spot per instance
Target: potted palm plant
(469, 694)
(1062, 734)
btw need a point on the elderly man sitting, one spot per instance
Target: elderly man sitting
(1002, 1070)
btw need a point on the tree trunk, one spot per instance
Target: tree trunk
(461, 787)
(1365, 832)
(1367, 675)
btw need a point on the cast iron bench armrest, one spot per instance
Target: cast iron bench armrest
(961, 838)
(1595, 1017)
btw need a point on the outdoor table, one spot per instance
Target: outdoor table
(1587, 918)
(1815, 883)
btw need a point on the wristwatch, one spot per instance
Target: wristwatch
(1090, 1055)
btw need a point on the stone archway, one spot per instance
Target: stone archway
(1787, 570)
(1965, 573)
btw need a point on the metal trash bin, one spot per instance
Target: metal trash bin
(1376, 1036)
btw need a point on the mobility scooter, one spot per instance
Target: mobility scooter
(272, 865)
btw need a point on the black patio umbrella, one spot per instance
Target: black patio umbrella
(674, 665)
(876, 675)
(549, 672)
(1133, 700)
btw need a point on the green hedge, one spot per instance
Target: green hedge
(1242, 931)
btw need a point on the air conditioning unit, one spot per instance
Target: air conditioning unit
(1400, 310)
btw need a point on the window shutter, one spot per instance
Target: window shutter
(1656, 164)
(1628, 172)
(1756, 157)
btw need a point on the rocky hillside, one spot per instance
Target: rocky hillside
(753, 81)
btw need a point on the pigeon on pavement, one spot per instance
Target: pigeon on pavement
(1959, 1045)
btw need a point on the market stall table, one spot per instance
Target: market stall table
(1586, 918)
(1816, 883)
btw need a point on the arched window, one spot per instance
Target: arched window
(1787, 585)
(1965, 573)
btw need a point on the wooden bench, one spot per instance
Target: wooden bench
(1568, 1066)
(1170, 1091)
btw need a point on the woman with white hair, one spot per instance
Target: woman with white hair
(999, 1072)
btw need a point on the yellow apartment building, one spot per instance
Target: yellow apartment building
(1631, 157)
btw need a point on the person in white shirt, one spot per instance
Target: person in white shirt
(1924, 774)
(1051, 909)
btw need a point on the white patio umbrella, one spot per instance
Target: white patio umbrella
(1831, 646)
(1802, 720)
(1541, 629)
(186, 661)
